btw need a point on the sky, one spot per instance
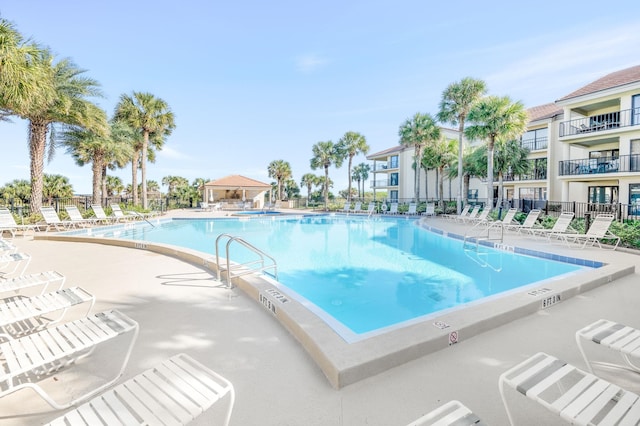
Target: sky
(250, 82)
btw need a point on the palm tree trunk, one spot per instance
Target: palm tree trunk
(490, 172)
(103, 183)
(441, 186)
(134, 176)
(326, 188)
(417, 174)
(500, 184)
(37, 143)
(143, 164)
(96, 169)
(460, 196)
(349, 178)
(465, 188)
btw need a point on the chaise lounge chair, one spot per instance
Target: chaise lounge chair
(614, 336)
(599, 230)
(24, 315)
(472, 214)
(76, 217)
(22, 282)
(122, 215)
(507, 220)
(357, 207)
(528, 224)
(562, 226)
(463, 213)
(577, 396)
(453, 413)
(394, 208)
(28, 360)
(175, 392)
(53, 220)
(413, 209)
(101, 215)
(18, 260)
(430, 210)
(8, 224)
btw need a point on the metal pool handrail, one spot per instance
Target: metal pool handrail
(243, 266)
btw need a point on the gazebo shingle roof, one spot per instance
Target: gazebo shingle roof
(237, 181)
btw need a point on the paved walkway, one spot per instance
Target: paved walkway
(181, 308)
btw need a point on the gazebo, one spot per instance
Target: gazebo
(235, 190)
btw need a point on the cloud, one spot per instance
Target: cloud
(173, 154)
(553, 69)
(310, 62)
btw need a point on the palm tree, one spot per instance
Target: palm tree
(24, 79)
(457, 100)
(291, 188)
(417, 132)
(18, 189)
(474, 164)
(174, 182)
(70, 106)
(440, 155)
(495, 118)
(352, 144)
(360, 175)
(102, 151)
(324, 155)
(151, 116)
(114, 186)
(56, 186)
(309, 180)
(280, 170)
(509, 157)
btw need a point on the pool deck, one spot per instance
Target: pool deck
(181, 308)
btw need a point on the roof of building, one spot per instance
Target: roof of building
(545, 111)
(237, 181)
(397, 148)
(609, 81)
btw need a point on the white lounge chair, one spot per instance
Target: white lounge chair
(346, 208)
(371, 208)
(23, 315)
(101, 215)
(53, 220)
(13, 264)
(122, 215)
(562, 226)
(483, 217)
(30, 359)
(472, 214)
(599, 230)
(357, 207)
(6, 247)
(25, 281)
(618, 337)
(394, 208)
(577, 396)
(175, 392)
(8, 224)
(413, 209)
(463, 213)
(529, 222)
(430, 210)
(453, 413)
(76, 217)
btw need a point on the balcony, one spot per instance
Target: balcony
(600, 123)
(539, 174)
(535, 144)
(383, 183)
(588, 166)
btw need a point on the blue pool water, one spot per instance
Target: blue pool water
(367, 274)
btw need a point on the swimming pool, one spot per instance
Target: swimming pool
(360, 275)
(342, 355)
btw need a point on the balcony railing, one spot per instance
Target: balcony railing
(601, 122)
(586, 166)
(539, 174)
(535, 144)
(381, 183)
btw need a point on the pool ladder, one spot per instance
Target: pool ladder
(482, 232)
(246, 268)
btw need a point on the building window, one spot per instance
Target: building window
(393, 196)
(603, 194)
(535, 139)
(393, 163)
(534, 193)
(393, 179)
(634, 198)
(635, 113)
(607, 153)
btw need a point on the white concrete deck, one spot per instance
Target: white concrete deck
(181, 308)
